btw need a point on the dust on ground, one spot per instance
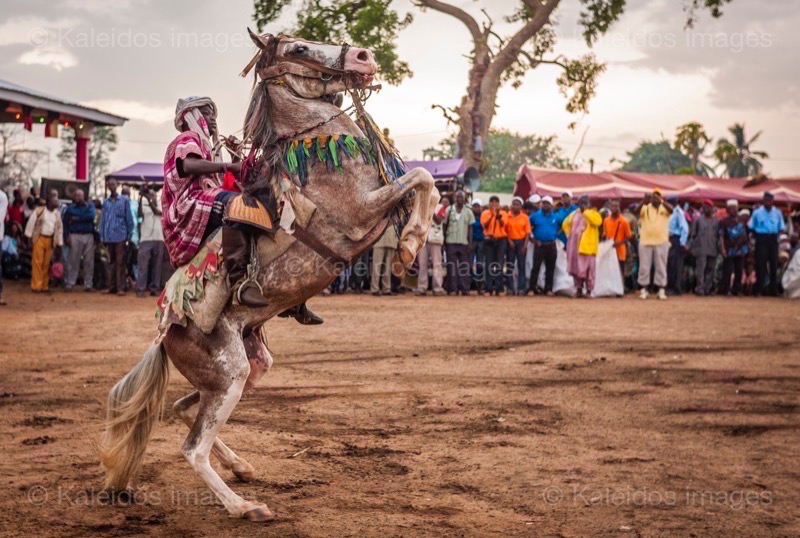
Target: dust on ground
(429, 417)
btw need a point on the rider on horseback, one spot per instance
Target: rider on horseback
(194, 202)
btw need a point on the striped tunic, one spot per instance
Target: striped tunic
(185, 203)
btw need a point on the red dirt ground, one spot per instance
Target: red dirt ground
(430, 417)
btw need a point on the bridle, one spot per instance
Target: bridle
(271, 68)
(272, 65)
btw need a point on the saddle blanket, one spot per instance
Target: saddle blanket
(187, 285)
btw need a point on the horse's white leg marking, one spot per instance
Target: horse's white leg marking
(415, 232)
(186, 408)
(215, 408)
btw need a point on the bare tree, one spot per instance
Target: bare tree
(496, 60)
(17, 164)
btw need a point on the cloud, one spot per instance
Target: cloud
(135, 110)
(101, 6)
(747, 54)
(51, 56)
(31, 30)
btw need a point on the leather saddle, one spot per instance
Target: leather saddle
(249, 210)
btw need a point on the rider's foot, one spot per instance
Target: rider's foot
(250, 295)
(236, 255)
(302, 314)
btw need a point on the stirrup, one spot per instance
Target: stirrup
(252, 273)
(244, 283)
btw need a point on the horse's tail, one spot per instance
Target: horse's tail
(134, 408)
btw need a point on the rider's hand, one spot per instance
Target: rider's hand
(235, 168)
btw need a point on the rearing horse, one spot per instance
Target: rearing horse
(341, 211)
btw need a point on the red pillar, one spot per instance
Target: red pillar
(82, 158)
(83, 133)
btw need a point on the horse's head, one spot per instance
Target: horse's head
(311, 69)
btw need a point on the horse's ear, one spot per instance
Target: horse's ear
(262, 42)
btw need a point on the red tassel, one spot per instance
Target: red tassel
(229, 183)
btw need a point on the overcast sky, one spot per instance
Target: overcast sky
(136, 57)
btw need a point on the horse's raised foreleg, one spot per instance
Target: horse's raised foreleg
(217, 365)
(414, 234)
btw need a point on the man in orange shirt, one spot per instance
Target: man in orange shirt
(617, 229)
(518, 228)
(495, 242)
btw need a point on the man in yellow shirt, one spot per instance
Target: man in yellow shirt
(582, 229)
(654, 242)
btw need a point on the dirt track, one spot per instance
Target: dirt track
(430, 417)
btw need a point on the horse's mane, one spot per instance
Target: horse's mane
(266, 153)
(260, 132)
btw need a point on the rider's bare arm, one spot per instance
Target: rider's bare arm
(193, 165)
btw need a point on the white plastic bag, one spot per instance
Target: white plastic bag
(563, 283)
(608, 280)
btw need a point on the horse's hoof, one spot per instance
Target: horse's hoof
(398, 269)
(245, 475)
(260, 514)
(402, 260)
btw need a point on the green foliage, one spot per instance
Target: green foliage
(736, 156)
(692, 6)
(656, 158)
(366, 23)
(578, 82)
(506, 151)
(691, 139)
(597, 16)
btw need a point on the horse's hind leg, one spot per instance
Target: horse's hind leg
(260, 360)
(186, 408)
(217, 366)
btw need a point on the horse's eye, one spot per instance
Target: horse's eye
(300, 49)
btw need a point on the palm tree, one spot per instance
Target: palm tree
(736, 156)
(692, 140)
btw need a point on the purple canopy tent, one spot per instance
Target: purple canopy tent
(445, 172)
(139, 173)
(444, 169)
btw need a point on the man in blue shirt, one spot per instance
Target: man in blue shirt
(116, 229)
(678, 247)
(79, 236)
(545, 227)
(566, 209)
(476, 252)
(766, 222)
(734, 247)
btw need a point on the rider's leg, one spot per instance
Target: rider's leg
(235, 253)
(236, 256)
(236, 241)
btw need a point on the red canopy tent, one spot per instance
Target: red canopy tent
(606, 185)
(630, 186)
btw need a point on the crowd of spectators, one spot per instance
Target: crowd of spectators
(542, 246)
(113, 245)
(538, 246)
